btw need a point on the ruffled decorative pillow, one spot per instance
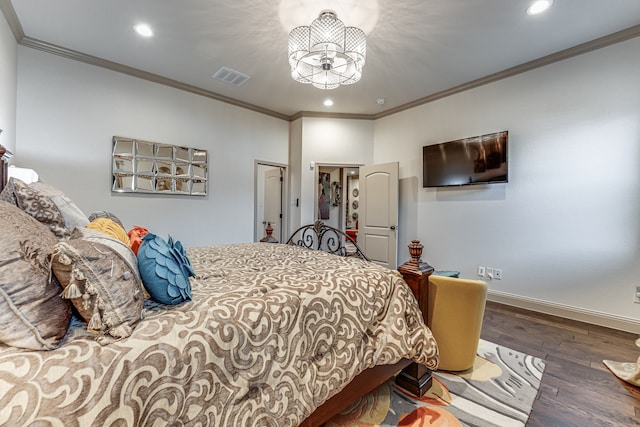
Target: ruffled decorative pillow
(135, 237)
(165, 269)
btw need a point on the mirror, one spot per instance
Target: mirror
(151, 167)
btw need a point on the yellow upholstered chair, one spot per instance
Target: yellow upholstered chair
(456, 309)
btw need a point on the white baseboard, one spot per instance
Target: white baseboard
(589, 316)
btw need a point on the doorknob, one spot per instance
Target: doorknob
(393, 227)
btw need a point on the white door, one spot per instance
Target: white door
(378, 218)
(269, 201)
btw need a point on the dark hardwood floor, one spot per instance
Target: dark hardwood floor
(577, 389)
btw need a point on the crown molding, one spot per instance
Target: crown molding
(320, 114)
(14, 23)
(135, 72)
(617, 37)
(12, 19)
(114, 66)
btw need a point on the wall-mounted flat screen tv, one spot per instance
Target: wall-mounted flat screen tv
(476, 160)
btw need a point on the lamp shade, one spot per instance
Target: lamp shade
(327, 54)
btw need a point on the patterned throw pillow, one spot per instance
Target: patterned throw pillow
(32, 314)
(100, 277)
(165, 270)
(50, 206)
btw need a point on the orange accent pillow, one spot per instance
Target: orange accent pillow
(135, 237)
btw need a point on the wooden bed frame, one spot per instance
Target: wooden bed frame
(411, 376)
(4, 157)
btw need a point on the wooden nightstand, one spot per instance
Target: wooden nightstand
(416, 378)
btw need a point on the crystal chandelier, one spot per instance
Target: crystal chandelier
(327, 54)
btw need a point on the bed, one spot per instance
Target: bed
(273, 334)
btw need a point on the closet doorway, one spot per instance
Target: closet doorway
(269, 192)
(363, 202)
(337, 197)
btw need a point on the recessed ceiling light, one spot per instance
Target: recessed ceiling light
(539, 6)
(328, 103)
(143, 29)
(381, 101)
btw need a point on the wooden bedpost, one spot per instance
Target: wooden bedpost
(416, 378)
(416, 273)
(3, 166)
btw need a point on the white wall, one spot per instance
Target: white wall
(68, 112)
(295, 173)
(331, 141)
(565, 229)
(8, 84)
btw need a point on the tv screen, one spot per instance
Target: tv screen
(476, 160)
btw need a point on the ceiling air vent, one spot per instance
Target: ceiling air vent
(231, 76)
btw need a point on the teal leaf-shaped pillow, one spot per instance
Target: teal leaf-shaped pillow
(165, 269)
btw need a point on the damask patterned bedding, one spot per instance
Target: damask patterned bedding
(272, 332)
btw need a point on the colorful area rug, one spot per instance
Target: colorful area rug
(498, 391)
(626, 371)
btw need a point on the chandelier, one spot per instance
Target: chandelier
(327, 54)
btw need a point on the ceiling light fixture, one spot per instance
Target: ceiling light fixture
(144, 30)
(328, 103)
(539, 6)
(327, 54)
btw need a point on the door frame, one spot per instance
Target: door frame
(284, 196)
(316, 177)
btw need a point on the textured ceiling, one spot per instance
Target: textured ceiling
(415, 48)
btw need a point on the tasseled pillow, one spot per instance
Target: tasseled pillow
(103, 286)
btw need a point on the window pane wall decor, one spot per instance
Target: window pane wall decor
(150, 167)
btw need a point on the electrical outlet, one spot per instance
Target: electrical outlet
(490, 273)
(497, 273)
(636, 296)
(481, 271)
